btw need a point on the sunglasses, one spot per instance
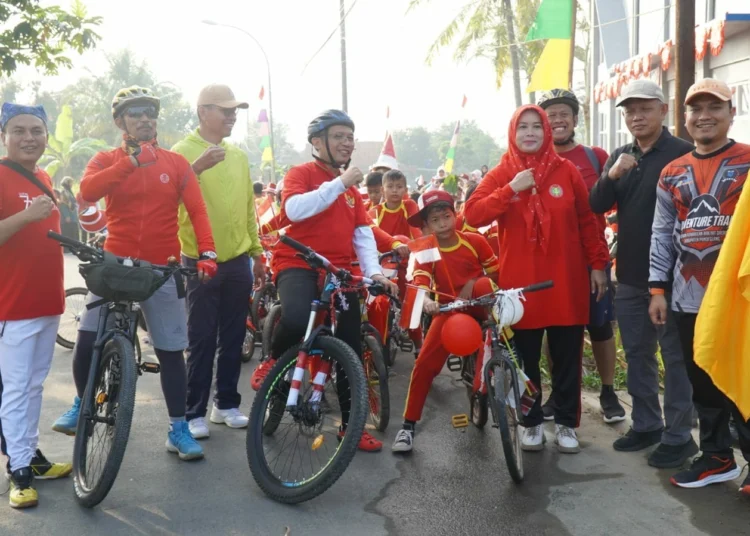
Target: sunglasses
(135, 112)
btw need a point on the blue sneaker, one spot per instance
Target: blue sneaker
(68, 422)
(181, 441)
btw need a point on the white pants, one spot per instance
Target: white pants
(26, 348)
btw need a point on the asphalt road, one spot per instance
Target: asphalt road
(455, 482)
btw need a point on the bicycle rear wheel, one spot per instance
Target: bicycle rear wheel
(505, 401)
(269, 324)
(378, 396)
(295, 454)
(262, 303)
(75, 305)
(101, 437)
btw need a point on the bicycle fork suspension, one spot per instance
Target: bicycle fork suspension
(299, 368)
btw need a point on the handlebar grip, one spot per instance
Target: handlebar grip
(388, 255)
(539, 286)
(292, 243)
(64, 239)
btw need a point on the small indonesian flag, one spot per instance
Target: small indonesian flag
(265, 211)
(425, 249)
(411, 307)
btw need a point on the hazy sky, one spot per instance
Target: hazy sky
(386, 49)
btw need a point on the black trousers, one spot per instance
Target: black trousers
(565, 344)
(298, 288)
(713, 407)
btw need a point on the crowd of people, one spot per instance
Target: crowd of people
(537, 215)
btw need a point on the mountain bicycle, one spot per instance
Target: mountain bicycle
(308, 416)
(109, 398)
(509, 395)
(259, 305)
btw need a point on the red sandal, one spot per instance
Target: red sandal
(367, 443)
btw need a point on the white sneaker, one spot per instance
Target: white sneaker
(533, 439)
(231, 417)
(566, 439)
(198, 428)
(404, 441)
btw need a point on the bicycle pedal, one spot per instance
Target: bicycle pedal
(460, 421)
(454, 363)
(152, 368)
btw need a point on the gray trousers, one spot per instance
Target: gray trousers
(639, 339)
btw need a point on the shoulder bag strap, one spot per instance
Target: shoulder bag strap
(26, 174)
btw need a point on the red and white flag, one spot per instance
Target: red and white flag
(265, 211)
(425, 249)
(411, 307)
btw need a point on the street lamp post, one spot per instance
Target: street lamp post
(270, 93)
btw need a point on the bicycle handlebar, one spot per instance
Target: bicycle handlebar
(87, 253)
(390, 254)
(489, 299)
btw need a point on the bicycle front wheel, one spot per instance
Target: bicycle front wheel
(102, 433)
(378, 397)
(75, 305)
(506, 408)
(296, 453)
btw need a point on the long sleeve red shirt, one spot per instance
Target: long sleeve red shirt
(142, 204)
(574, 243)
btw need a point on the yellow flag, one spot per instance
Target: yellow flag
(722, 331)
(552, 68)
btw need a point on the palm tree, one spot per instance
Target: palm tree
(63, 153)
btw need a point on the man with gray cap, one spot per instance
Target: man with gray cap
(628, 182)
(217, 310)
(31, 298)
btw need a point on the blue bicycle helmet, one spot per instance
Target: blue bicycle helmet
(326, 120)
(319, 127)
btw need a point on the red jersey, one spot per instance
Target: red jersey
(471, 258)
(329, 233)
(578, 156)
(142, 204)
(32, 283)
(575, 241)
(462, 226)
(394, 221)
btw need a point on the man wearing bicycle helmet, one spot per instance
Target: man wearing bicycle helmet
(144, 186)
(327, 213)
(31, 298)
(562, 109)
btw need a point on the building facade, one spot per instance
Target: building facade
(635, 39)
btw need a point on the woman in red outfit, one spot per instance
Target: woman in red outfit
(546, 232)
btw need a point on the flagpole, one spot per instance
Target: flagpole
(573, 6)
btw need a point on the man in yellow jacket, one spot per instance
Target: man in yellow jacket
(217, 310)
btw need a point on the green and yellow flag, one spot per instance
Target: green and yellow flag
(554, 22)
(450, 158)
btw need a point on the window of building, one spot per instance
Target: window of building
(741, 99)
(650, 27)
(722, 7)
(623, 135)
(603, 135)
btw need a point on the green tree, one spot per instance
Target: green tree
(414, 147)
(285, 153)
(91, 101)
(476, 147)
(42, 36)
(65, 156)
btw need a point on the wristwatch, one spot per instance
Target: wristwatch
(208, 255)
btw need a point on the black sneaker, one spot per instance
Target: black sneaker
(548, 408)
(669, 456)
(22, 493)
(612, 410)
(705, 470)
(745, 486)
(633, 441)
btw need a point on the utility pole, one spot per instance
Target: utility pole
(572, 44)
(344, 96)
(685, 62)
(508, 12)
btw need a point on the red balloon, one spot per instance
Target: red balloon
(461, 335)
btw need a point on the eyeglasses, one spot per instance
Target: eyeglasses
(340, 138)
(134, 112)
(228, 112)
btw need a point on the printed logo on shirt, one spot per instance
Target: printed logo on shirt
(556, 191)
(164, 178)
(349, 200)
(26, 199)
(705, 213)
(730, 175)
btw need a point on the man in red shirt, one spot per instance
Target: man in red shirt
(32, 298)
(464, 259)
(326, 213)
(144, 186)
(562, 108)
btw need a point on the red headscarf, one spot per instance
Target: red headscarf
(543, 163)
